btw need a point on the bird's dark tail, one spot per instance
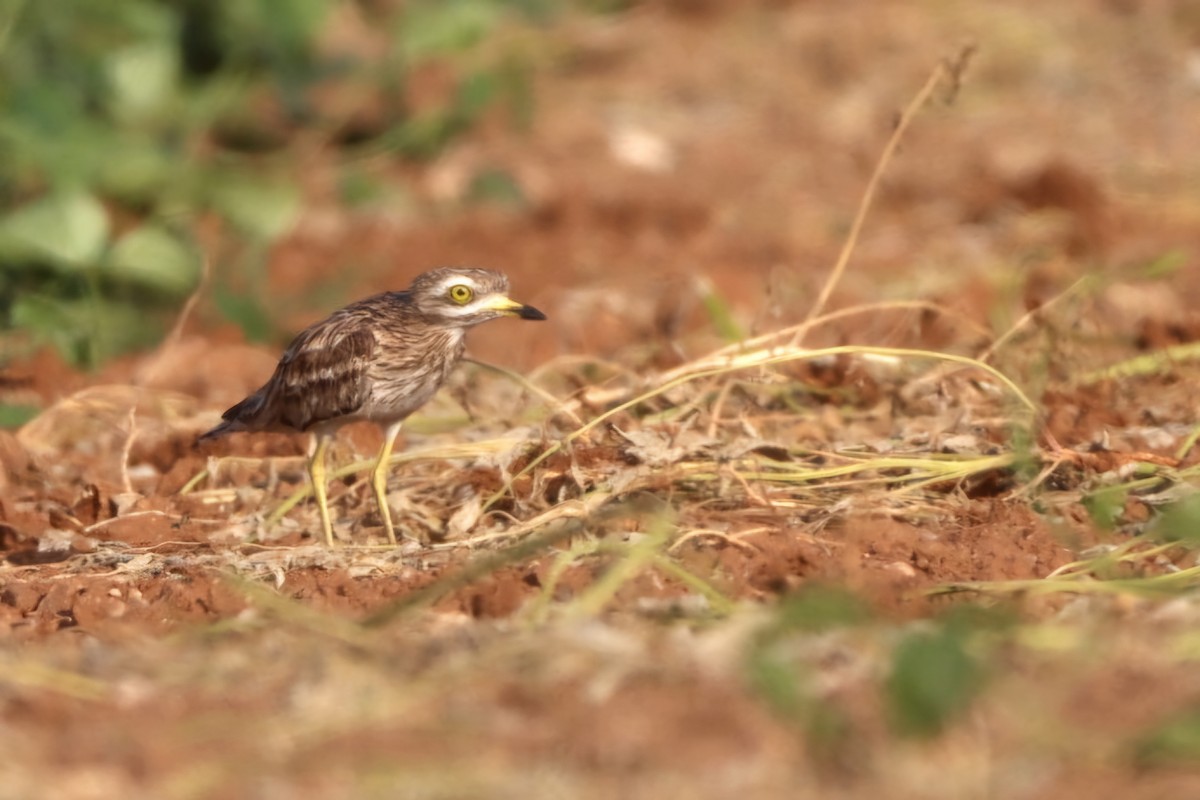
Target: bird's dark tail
(233, 419)
(222, 429)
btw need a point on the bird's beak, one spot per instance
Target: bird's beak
(513, 309)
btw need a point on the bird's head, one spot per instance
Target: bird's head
(464, 297)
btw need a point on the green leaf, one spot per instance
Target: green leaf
(1175, 742)
(68, 229)
(1180, 522)
(933, 679)
(1165, 266)
(1105, 506)
(495, 186)
(277, 34)
(719, 312)
(138, 172)
(142, 79)
(263, 207)
(357, 188)
(515, 83)
(820, 608)
(59, 148)
(45, 318)
(14, 416)
(246, 312)
(814, 609)
(788, 687)
(422, 136)
(473, 95)
(154, 258)
(447, 26)
(85, 332)
(776, 682)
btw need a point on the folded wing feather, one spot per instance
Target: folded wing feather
(324, 376)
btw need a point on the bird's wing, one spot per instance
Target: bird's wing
(323, 375)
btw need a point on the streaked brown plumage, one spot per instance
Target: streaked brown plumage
(379, 359)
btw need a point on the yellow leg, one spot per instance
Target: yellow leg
(316, 473)
(379, 479)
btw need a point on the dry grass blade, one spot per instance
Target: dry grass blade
(1030, 316)
(476, 569)
(763, 358)
(721, 356)
(1158, 586)
(448, 452)
(159, 360)
(32, 675)
(949, 71)
(768, 343)
(539, 608)
(1095, 575)
(1131, 551)
(531, 387)
(720, 604)
(579, 509)
(298, 614)
(734, 540)
(929, 468)
(1188, 443)
(632, 561)
(1157, 363)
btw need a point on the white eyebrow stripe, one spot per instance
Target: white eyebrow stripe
(456, 280)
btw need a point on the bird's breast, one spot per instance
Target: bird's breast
(404, 379)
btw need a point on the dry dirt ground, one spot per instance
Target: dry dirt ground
(634, 608)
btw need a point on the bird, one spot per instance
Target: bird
(377, 359)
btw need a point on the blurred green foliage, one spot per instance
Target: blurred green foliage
(1173, 742)
(1106, 505)
(939, 669)
(780, 677)
(14, 416)
(124, 122)
(1179, 522)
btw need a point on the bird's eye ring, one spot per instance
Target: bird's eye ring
(461, 294)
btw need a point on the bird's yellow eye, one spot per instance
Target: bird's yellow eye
(461, 294)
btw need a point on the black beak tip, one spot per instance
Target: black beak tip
(529, 312)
